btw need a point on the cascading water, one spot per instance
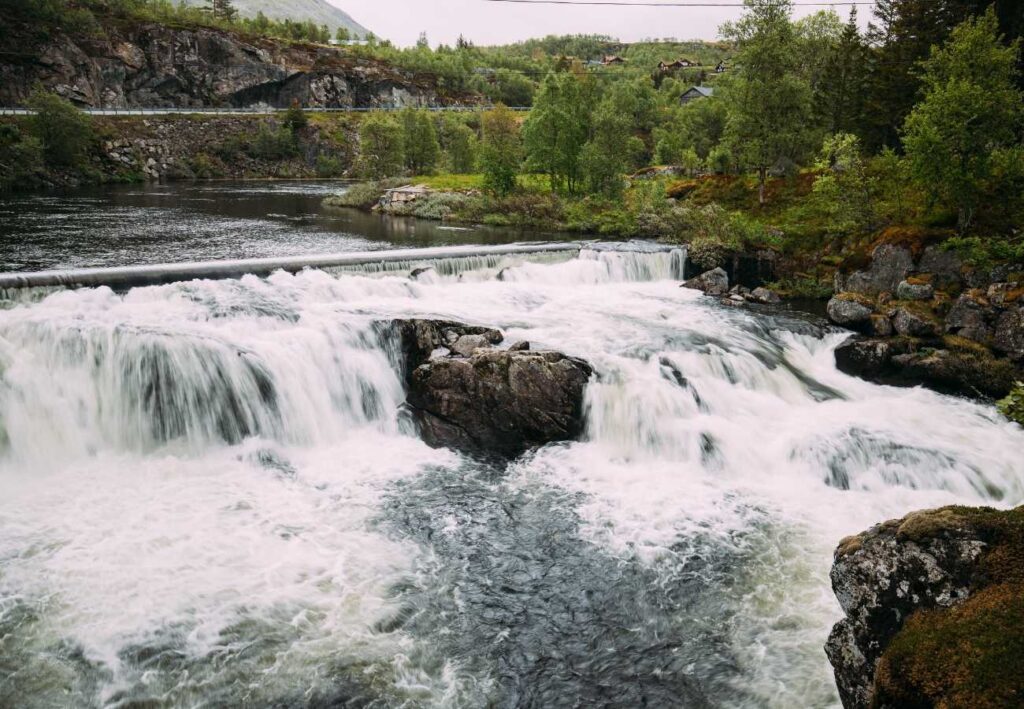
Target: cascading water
(210, 497)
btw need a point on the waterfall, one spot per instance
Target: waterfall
(211, 495)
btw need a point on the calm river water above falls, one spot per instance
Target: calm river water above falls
(210, 497)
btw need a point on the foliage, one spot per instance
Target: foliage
(1012, 407)
(273, 143)
(295, 118)
(845, 189)
(557, 129)
(604, 158)
(768, 99)
(329, 166)
(985, 252)
(362, 195)
(21, 158)
(419, 137)
(501, 150)
(381, 147)
(65, 133)
(697, 126)
(970, 113)
(460, 146)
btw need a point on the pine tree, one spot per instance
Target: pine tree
(223, 10)
(840, 97)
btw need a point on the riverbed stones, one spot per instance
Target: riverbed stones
(890, 264)
(848, 312)
(971, 317)
(713, 282)
(764, 296)
(499, 402)
(914, 291)
(908, 323)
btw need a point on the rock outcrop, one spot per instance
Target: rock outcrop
(467, 394)
(934, 611)
(152, 65)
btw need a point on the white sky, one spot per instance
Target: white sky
(482, 22)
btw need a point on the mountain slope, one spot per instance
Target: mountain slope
(319, 11)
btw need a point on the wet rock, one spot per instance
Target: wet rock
(499, 402)
(890, 264)
(521, 346)
(466, 345)
(419, 339)
(914, 291)
(871, 358)
(881, 326)
(764, 296)
(848, 312)
(958, 369)
(910, 324)
(901, 643)
(713, 282)
(1009, 333)
(1005, 295)
(971, 317)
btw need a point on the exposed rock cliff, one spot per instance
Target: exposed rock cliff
(934, 606)
(153, 65)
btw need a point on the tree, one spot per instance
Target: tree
(223, 10)
(605, 157)
(768, 100)
(381, 150)
(459, 142)
(65, 133)
(557, 129)
(343, 35)
(839, 98)
(969, 117)
(501, 151)
(420, 138)
(844, 188)
(295, 118)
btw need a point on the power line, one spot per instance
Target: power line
(624, 3)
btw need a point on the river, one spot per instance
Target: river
(211, 497)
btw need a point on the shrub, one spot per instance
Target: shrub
(295, 118)
(273, 144)
(66, 134)
(205, 168)
(21, 158)
(329, 166)
(381, 147)
(362, 195)
(1012, 407)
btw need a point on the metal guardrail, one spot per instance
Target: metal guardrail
(122, 277)
(258, 111)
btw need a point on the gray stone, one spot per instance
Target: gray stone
(847, 312)
(911, 324)
(914, 291)
(890, 264)
(945, 266)
(764, 296)
(521, 346)
(882, 577)
(499, 402)
(1009, 333)
(713, 282)
(466, 345)
(971, 317)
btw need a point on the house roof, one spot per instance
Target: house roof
(702, 90)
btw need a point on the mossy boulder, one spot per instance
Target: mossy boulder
(934, 606)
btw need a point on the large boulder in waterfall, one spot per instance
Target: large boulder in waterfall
(713, 282)
(419, 339)
(934, 611)
(499, 401)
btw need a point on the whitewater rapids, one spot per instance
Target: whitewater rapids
(209, 496)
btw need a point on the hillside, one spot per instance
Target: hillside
(321, 12)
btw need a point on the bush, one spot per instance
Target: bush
(1012, 407)
(381, 147)
(273, 144)
(65, 133)
(329, 166)
(21, 158)
(362, 195)
(205, 168)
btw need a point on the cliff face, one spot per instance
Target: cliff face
(934, 606)
(156, 66)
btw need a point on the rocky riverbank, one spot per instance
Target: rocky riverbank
(934, 606)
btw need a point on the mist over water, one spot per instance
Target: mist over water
(211, 496)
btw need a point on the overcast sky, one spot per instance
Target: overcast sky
(483, 22)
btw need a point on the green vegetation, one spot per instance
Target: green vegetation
(381, 147)
(65, 132)
(963, 656)
(1012, 407)
(500, 152)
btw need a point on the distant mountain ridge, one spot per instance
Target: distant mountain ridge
(319, 11)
